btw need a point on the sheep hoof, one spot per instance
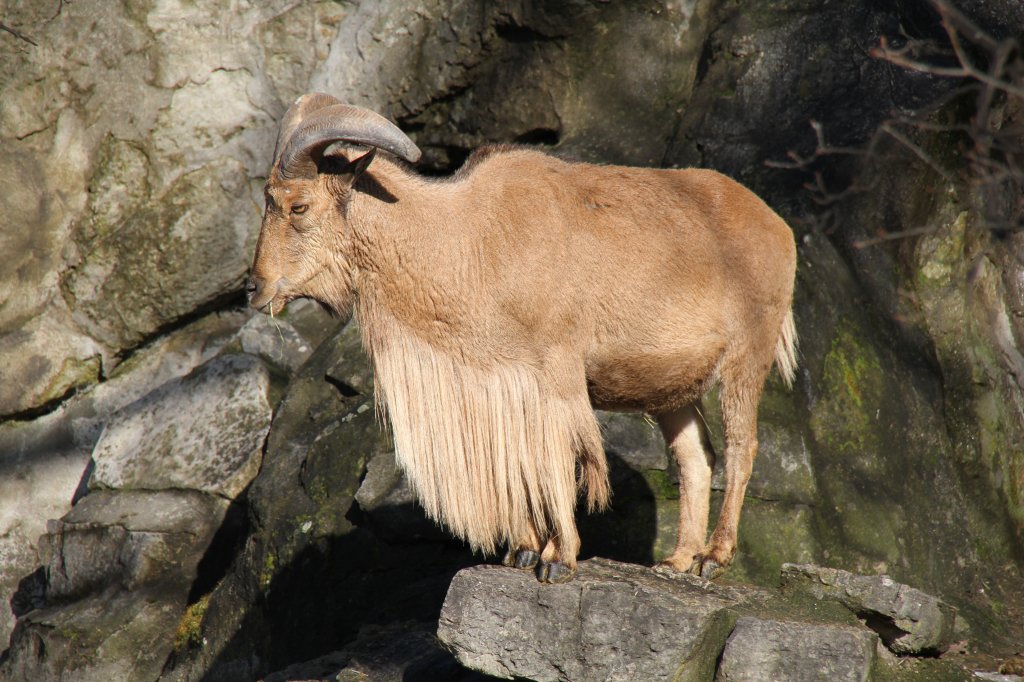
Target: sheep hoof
(526, 558)
(706, 567)
(555, 572)
(520, 558)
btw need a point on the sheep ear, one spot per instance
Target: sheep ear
(359, 166)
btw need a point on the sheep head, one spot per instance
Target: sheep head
(304, 244)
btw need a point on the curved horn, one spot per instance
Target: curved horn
(300, 109)
(341, 122)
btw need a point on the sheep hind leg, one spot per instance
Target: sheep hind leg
(686, 435)
(739, 417)
(558, 560)
(524, 554)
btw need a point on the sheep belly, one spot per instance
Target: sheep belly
(652, 382)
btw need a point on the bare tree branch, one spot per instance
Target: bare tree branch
(991, 161)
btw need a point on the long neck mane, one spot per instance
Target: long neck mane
(489, 450)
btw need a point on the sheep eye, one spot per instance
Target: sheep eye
(299, 209)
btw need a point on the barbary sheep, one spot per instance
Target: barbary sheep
(503, 304)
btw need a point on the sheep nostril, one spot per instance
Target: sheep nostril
(251, 287)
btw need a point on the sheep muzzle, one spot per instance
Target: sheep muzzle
(261, 294)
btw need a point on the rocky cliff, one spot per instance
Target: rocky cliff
(192, 493)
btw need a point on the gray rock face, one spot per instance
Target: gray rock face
(128, 539)
(135, 137)
(613, 622)
(276, 341)
(42, 461)
(203, 432)
(46, 359)
(908, 620)
(316, 566)
(761, 649)
(118, 570)
(637, 441)
(119, 566)
(513, 53)
(134, 143)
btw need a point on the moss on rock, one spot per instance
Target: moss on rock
(845, 419)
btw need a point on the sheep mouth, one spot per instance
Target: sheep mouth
(275, 305)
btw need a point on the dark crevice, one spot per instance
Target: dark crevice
(31, 593)
(227, 542)
(46, 408)
(514, 32)
(539, 136)
(721, 654)
(83, 483)
(884, 626)
(446, 160)
(344, 388)
(231, 300)
(412, 122)
(708, 55)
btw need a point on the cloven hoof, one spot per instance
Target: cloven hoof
(705, 567)
(521, 558)
(555, 572)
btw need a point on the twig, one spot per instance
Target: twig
(888, 129)
(60, 8)
(965, 70)
(899, 58)
(892, 236)
(822, 149)
(18, 34)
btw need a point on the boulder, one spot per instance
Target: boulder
(128, 539)
(202, 432)
(276, 341)
(624, 622)
(118, 567)
(314, 567)
(908, 620)
(612, 622)
(761, 649)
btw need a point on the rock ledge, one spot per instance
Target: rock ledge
(625, 622)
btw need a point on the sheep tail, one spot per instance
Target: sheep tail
(785, 350)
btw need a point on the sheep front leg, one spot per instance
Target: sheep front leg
(686, 435)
